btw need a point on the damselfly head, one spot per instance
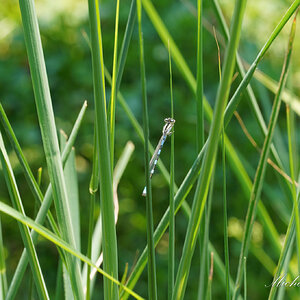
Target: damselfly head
(168, 126)
(169, 120)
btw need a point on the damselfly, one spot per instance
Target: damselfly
(167, 130)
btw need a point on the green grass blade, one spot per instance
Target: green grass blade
(71, 180)
(245, 278)
(200, 142)
(110, 253)
(152, 288)
(199, 84)
(291, 155)
(45, 204)
(46, 233)
(260, 172)
(171, 250)
(3, 280)
(24, 230)
(204, 252)
(70, 175)
(48, 131)
(226, 247)
(210, 153)
(112, 103)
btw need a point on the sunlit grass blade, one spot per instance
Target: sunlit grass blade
(49, 134)
(110, 253)
(46, 233)
(171, 249)
(3, 279)
(112, 102)
(24, 230)
(46, 202)
(260, 172)
(210, 152)
(152, 288)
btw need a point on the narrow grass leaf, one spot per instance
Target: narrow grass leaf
(59, 242)
(291, 160)
(204, 251)
(152, 288)
(226, 247)
(260, 172)
(171, 250)
(245, 278)
(199, 79)
(24, 230)
(110, 253)
(112, 103)
(49, 134)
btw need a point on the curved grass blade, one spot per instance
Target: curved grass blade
(110, 252)
(210, 153)
(260, 172)
(59, 242)
(152, 288)
(24, 230)
(46, 202)
(49, 134)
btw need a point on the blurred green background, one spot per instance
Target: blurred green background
(63, 26)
